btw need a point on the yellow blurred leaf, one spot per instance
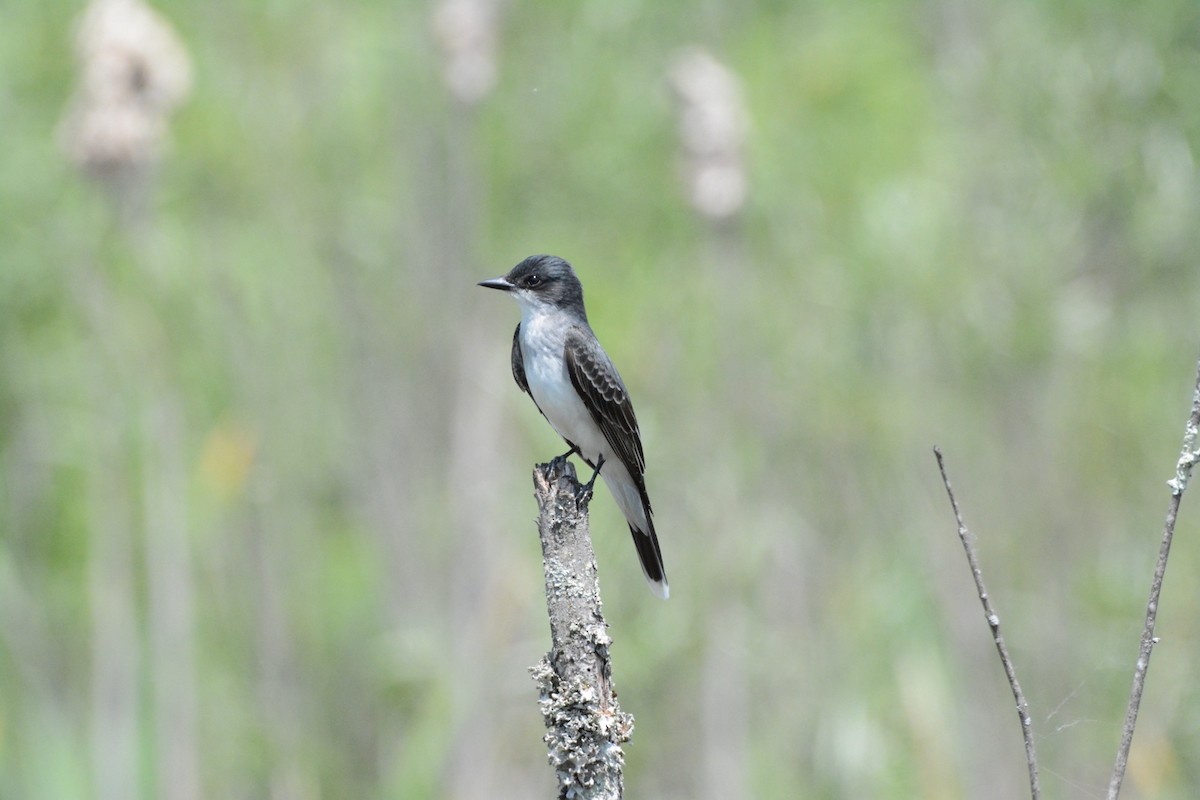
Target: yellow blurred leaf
(226, 458)
(1152, 763)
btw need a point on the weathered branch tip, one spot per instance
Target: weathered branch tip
(585, 724)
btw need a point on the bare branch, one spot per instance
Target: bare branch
(586, 726)
(1188, 457)
(993, 621)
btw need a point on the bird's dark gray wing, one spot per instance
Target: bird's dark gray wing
(598, 383)
(518, 363)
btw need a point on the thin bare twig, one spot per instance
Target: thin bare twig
(993, 621)
(1188, 457)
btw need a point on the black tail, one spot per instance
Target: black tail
(652, 561)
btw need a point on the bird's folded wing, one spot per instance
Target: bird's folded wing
(518, 363)
(598, 383)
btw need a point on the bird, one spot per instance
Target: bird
(558, 361)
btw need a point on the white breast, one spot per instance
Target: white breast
(546, 373)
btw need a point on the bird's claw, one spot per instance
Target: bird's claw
(583, 495)
(559, 462)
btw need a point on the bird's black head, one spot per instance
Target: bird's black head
(543, 282)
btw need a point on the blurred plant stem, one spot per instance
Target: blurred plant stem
(725, 703)
(133, 73)
(711, 124)
(170, 601)
(467, 31)
(115, 639)
(134, 400)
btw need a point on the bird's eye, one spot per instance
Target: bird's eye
(533, 281)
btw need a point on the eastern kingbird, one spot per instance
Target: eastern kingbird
(557, 361)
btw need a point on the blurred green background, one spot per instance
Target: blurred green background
(266, 516)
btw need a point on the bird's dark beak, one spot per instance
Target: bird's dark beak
(498, 283)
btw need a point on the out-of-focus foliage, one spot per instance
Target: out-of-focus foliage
(265, 512)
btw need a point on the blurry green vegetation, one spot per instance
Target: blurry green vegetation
(264, 479)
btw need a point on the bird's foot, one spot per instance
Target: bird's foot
(583, 494)
(558, 462)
